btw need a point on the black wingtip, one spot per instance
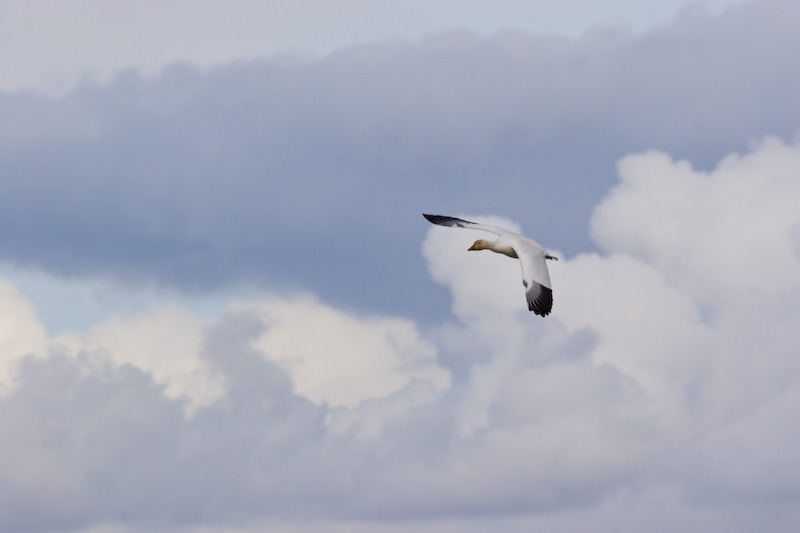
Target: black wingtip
(543, 303)
(441, 220)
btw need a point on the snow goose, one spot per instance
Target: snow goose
(532, 256)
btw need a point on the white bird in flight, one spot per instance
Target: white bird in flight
(532, 256)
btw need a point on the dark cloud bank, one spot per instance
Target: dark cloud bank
(313, 175)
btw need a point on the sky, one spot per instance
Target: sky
(222, 311)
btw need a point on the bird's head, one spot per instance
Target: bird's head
(480, 244)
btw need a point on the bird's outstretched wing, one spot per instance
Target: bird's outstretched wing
(535, 276)
(461, 223)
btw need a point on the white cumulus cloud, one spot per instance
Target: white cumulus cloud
(731, 232)
(338, 358)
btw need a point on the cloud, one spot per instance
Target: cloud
(374, 357)
(21, 333)
(50, 56)
(143, 339)
(310, 175)
(751, 245)
(646, 397)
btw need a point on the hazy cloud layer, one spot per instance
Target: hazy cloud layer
(662, 393)
(53, 45)
(312, 175)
